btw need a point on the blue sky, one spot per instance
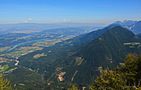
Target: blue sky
(61, 11)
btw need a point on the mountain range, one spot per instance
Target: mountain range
(134, 26)
(78, 60)
(56, 56)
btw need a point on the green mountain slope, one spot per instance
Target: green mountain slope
(106, 51)
(78, 61)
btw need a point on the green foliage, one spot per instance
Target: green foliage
(4, 84)
(73, 87)
(108, 80)
(131, 69)
(126, 77)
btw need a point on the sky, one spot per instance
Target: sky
(69, 11)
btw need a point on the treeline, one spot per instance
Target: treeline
(127, 76)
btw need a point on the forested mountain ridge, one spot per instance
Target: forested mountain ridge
(79, 62)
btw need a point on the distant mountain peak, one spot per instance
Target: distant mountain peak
(134, 26)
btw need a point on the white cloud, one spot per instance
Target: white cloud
(28, 20)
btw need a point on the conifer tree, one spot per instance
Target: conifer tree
(4, 84)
